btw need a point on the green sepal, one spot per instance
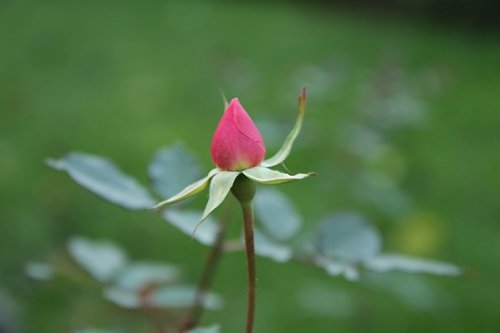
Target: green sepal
(219, 188)
(283, 153)
(189, 191)
(272, 177)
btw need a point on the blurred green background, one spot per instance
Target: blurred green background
(402, 125)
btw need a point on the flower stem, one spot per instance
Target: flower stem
(244, 190)
(252, 279)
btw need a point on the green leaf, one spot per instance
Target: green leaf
(183, 296)
(219, 188)
(94, 330)
(283, 153)
(136, 276)
(172, 169)
(186, 221)
(335, 268)
(211, 329)
(272, 177)
(189, 191)
(389, 262)
(276, 213)
(265, 247)
(39, 271)
(174, 296)
(347, 237)
(125, 298)
(102, 259)
(101, 177)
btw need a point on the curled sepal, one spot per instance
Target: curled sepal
(219, 188)
(272, 177)
(283, 153)
(189, 191)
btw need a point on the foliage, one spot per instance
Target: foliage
(345, 243)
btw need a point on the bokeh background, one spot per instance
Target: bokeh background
(403, 126)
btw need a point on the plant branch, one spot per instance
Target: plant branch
(210, 267)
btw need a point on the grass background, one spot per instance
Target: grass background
(121, 79)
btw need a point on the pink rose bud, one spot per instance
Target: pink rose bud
(237, 144)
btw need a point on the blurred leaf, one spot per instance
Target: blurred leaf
(183, 296)
(102, 259)
(175, 296)
(276, 213)
(270, 249)
(187, 220)
(39, 271)
(271, 177)
(139, 275)
(347, 237)
(335, 268)
(125, 298)
(172, 169)
(101, 177)
(389, 262)
(94, 330)
(351, 273)
(211, 329)
(282, 154)
(189, 191)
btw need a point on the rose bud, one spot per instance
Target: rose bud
(237, 144)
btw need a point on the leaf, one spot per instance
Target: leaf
(283, 153)
(94, 330)
(265, 247)
(186, 221)
(101, 177)
(211, 329)
(102, 259)
(189, 191)
(276, 213)
(136, 276)
(175, 296)
(125, 298)
(172, 169)
(389, 262)
(272, 177)
(219, 188)
(337, 268)
(183, 296)
(39, 271)
(347, 237)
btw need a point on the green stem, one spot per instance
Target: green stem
(252, 279)
(244, 190)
